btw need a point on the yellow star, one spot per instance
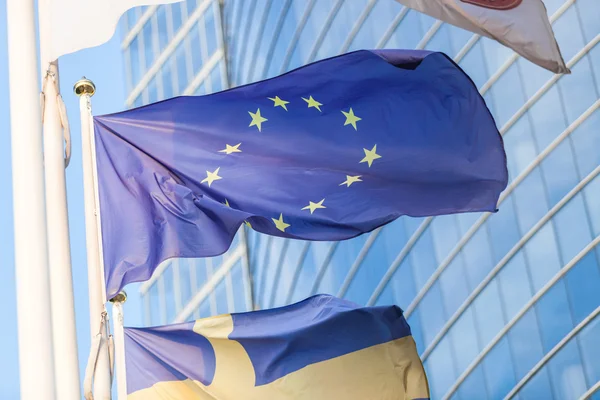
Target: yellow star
(248, 224)
(350, 180)
(211, 177)
(313, 103)
(278, 102)
(231, 149)
(227, 203)
(282, 226)
(351, 119)
(257, 119)
(370, 156)
(313, 206)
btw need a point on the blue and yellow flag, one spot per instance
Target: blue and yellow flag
(322, 348)
(325, 152)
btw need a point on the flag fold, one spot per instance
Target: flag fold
(325, 152)
(320, 348)
(521, 25)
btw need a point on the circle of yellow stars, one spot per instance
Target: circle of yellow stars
(257, 120)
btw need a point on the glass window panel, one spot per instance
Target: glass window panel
(215, 79)
(454, 285)
(440, 369)
(432, 307)
(576, 88)
(586, 142)
(340, 28)
(134, 59)
(343, 258)
(204, 309)
(592, 196)
(503, 229)
(499, 370)
(201, 271)
(534, 76)
(542, 254)
(583, 286)
(239, 288)
(287, 270)
(403, 284)
(195, 49)
(474, 386)
(269, 270)
(376, 24)
(176, 16)
(155, 318)
(294, 14)
(185, 285)
(441, 41)
(167, 84)
(515, 285)
(590, 351)
(258, 61)
(464, 340)
(538, 387)
(488, 311)
(422, 258)
(530, 200)
(466, 221)
(520, 146)
(169, 292)
(445, 234)
(210, 28)
(472, 63)
(566, 372)
(495, 54)
(568, 35)
(163, 35)
(478, 257)
(414, 321)
(153, 90)
(554, 315)
(132, 17)
(525, 343)
(221, 296)
(572, 228)
(560, 172)
(507, 92)
(149, 55)
(182, 71)
(547, 117)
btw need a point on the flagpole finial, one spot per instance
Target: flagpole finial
(119, 298)
(84, 86)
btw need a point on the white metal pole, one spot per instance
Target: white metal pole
(102, 382)
(119, 334)
(36, 364)
(59, 250)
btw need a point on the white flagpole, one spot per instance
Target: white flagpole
(54, 120)
(36, 363)
(119, 333)
(85, 89)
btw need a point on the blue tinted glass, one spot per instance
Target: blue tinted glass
(499, 370)
(195, 49)
(149, 55)
(282, 41)
(488, 312)
(458, 38)
(169, 298)
(495, 54)
(286, 272)
(478, 257)
(422, 258)
(132, 17)
(221, 296)
(182, 72)
(577, 88)
(520, 146)
(526, 344)
(155, 318)
(583, 284)
(258, 59)
(474, 386)
(566, 372)
(515, 285)
(342, 260)
(543, 257)
(210, 28)
(466, 221)
(538, 387)
(440, 371)
(530, 200)
(375, 25)
(590, 351)
(239, 288)
(432, 310)
(215, 79)
(534, 77)
(340, 28)
(586, 141)
(547, 117)
(464, 340)
(507, 93)
(185, 283)
(441, 41)
(204, 309)
(153, 89)
(503, 229)
(167, 84)
(176, 16)
(275, 251)
(403, 284)
(473, 62)
(554, 316)
(560, 173)
(313, 262)
(572, 228)
(592, 196)
(445, 234)
(454, 285)
(134, 59)
(190, 6)
(414, 321)
(568, 35)
(163, 35)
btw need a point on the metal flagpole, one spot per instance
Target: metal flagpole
(118, 325)
(36, 363)
(101, 371)
(54, 120)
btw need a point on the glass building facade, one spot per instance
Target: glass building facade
(502, 305)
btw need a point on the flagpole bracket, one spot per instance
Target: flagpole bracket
(84, 86)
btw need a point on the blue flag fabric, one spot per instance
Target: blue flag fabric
(325, 152)
(320, 348)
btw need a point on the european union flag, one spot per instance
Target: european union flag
(325, 152)
(319, 349)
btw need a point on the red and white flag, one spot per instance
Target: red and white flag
(522, 25)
